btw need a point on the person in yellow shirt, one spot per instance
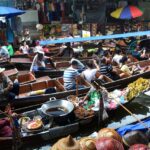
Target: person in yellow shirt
(124, 68)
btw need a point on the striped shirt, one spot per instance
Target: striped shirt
(106, 69)
(69, 77)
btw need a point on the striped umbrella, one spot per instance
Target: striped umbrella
(127, 12)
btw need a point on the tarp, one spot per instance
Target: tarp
(114, 36)
(133, 127)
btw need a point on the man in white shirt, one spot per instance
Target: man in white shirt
(117, 57)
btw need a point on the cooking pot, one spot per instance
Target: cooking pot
(49, 108)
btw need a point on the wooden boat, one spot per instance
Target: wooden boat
(6, 64)
(30, 94)
(58, 59)
(25, 78)
(49, 132)
(57, 131)
(20, 56)
(124, 81)
(11, 72)
(60, 67)
(21, 63)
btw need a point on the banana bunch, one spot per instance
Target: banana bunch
(137, 87)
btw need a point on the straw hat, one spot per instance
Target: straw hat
(2, 69)
(87, 143)
(67, 143)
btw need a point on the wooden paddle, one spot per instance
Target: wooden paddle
(133, 115)
(77, 93)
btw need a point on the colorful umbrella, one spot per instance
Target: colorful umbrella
(127, 12)
(9, 12)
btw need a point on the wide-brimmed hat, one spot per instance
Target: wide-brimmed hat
(67, 143)
(2, 69)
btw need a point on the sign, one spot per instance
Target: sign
(86, 33)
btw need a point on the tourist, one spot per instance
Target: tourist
(117, 57)
(38, 47)
(71, 76)
(106, 69)
(4, 54)
(24, 48)
(91, 73)
(124, 68)
(80, 66)
(8, 90)
(39, 62)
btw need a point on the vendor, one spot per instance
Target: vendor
(8, 90)
(67, 52)
(93, 97)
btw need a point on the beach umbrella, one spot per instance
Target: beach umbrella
(9, 12)
(127, 12)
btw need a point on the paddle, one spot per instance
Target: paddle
(77, 87)
(133, 115)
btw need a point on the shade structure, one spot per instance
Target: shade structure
(9, 12)
(127, 12)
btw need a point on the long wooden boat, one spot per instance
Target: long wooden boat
(11, 72)
(51, 132)
(25, 78)
(125, 81)
(57, 131)
(21, 63)
(29, 93)
(6, 64)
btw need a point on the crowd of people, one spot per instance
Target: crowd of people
(105, 64)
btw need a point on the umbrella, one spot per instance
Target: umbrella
(9, 12)
(127, 12)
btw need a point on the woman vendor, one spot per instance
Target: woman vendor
(93, 97)
(8, 90)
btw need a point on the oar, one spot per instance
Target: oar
(77, 87)
(133, 115)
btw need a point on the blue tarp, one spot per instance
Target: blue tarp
(124, 35)
(133, 127)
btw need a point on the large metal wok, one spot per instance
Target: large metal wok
(52, 104)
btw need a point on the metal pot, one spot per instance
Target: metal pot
(53, 103)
